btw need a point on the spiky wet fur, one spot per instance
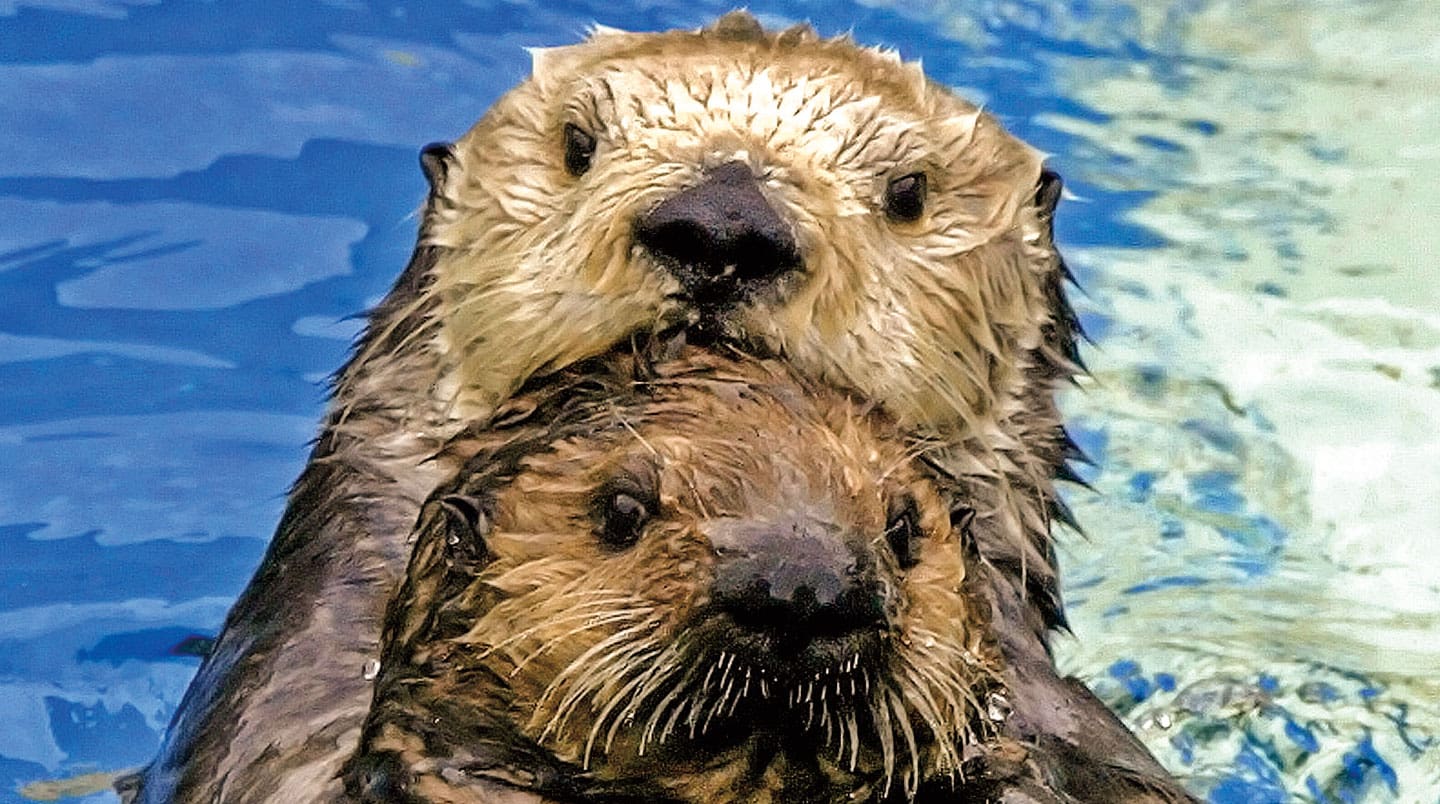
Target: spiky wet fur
(528, 626)
(524, 656)
(954, 323)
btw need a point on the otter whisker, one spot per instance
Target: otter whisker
(933, 639)
(582, 671)
(718, 705)
(674, 696)
(576, 613)
(697, 704)
(671, 698)
(743, 693)
(590, 624)
(925, 707)
(591, 616)
(959, 694)
(927, 683)
(619, 669)
(589, 687)
(912, 777)
(938, 648)
(710, 674)
(854, 729)
(674, 719)
(587, 672)
(943, 676)
(656, 675)
(952, 694)
(880, 717)
(662, 667)
(616, 700)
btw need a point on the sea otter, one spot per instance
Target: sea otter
(708, 580)
(794, 195)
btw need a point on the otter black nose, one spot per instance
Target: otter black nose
(798, 581)
(720, 238)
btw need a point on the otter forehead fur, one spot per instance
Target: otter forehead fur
(565, 629)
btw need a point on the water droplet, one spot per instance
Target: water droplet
(997, 707)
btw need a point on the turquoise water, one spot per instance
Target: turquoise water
(195, 197)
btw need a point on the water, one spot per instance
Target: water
(195, 197)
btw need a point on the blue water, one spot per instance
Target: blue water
(197, 197)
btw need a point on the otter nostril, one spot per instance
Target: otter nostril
(721, 238)
(795, 581)
(683, 241)
(801, 615)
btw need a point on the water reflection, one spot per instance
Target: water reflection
(1266, 397)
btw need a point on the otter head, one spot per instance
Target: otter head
(808, 196)
(716, 583)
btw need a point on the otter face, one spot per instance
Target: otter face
(818, 199)
(707, 586)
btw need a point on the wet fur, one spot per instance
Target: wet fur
(955, 324)
(525, 656)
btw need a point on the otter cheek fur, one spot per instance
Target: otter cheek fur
(717, 588)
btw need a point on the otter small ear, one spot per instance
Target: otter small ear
(961, 518)
(469, 524)
(738, 26)
(798, 34)
(1047, 194)
(435, 160)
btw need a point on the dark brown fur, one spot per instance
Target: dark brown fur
(525, 658)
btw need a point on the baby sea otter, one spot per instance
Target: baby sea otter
(792, 195)
(709, 580)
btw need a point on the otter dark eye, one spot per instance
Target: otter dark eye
(624, 517)
(468, 525)
(903, 534)
(905, 198)
(579, 149)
